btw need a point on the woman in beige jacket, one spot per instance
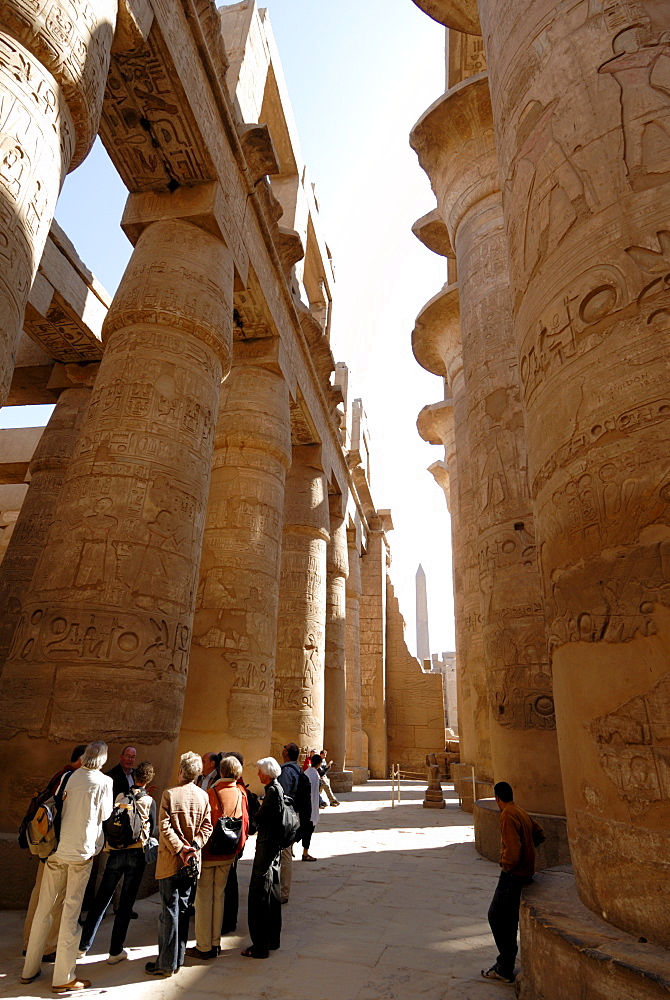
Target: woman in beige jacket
(227, 797)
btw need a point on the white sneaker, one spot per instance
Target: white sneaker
(115, 959)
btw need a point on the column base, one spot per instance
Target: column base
(434, 803)
(341, 781)
(462, 778)
(567, 951)
(554, 851)
(360, 774)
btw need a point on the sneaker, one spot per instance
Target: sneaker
(152, 969)
(493, 973)
(115, 959)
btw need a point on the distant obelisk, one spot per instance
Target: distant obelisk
(422, 639)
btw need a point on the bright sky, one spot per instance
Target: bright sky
(359, 76)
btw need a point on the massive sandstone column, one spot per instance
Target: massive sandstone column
(454, 141)
(101, 648)
(335, 711)
(47, 470)
(436, 342)
(373, 647)
(354, 754)
(582, 113)
(53, 68)
(228, 703)
(301, 629)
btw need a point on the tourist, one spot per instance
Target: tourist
(184, 826)
(307, 831)
(519, 835)
(231, 896)
(122, 773)
(226, 798)
(264, 894)
(86, 805)
(324, 780)
(127, 863)
(299, 789)
(49, 791)
(210, 772)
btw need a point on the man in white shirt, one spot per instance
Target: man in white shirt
(87, 802)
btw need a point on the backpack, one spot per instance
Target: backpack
(301, 800)
(40, 829)
(289, 824)
(124, 826)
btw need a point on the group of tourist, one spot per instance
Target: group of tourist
(197, 838)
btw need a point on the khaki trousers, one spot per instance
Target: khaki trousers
(209, 904)
(69, 879)
(286, 873)
(50, 945)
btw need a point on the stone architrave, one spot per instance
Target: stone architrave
(47, 470)
(301, 629)
(373, 648)
(229, 692)
(454, 141)
(101, 648)
(53, 69)
(581, 106)
(354, 754)
(335, 712)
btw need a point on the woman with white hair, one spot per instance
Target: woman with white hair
(264, 895)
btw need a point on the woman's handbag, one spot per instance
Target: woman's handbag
(225, 838)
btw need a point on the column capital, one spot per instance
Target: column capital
(431, 230)
(435, 422)
(436, 337)
(461, 15)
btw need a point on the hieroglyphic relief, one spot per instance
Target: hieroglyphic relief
(634, 747)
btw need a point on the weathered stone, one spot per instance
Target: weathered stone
(335, 701)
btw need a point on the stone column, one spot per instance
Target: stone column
(354, 754)
(335, 717)
(373, 648)
(301, 629)
(101, 648)
(53, 69)
(464, 174)
(583, 131)
(228, 703)
(46, 471)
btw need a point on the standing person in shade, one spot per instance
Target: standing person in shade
(125, 863)
(49, 791)
(519, 835)
(184, 826)
(324, 780)
(87, 802)
(264, 898)
(122, 773)
(226, 798)
(292, 781)
(231, 895)
(210, 772)
(307, 831)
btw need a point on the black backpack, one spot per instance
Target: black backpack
(289, 824)
(124, 826)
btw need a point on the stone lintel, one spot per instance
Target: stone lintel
(461, 15)
(204, 205)
(72, 375)
(437, 331)
(133, 24)
(259, 150)
(308, 455)
(436, 422)
(431, 230)
(261, 352)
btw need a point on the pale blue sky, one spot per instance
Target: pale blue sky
(359, 76)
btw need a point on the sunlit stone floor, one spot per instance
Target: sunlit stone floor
(395, 909)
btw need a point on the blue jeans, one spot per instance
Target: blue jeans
(177, 895)
(128, 864)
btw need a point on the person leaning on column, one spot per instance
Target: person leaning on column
(87, 802)
(519, 835)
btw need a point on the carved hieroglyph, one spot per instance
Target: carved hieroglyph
(581, 100)
(54, 59)
(335, 724)
(228, 703)
(301, 629)
(354, 751)
(102, 644)
(47, 471)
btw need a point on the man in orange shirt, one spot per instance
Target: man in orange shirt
(519, 835)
